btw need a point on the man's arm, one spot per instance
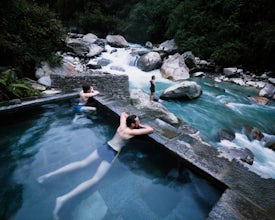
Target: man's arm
(143, 129)
(123, 117)
(91, 94)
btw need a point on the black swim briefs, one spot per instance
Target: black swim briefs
(106, 152)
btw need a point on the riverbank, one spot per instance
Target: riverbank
(246, 194)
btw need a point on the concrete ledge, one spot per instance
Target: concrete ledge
(37, 102)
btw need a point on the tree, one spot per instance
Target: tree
(39, 37)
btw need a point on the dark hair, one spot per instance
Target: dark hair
(86, 87)
(130, 119)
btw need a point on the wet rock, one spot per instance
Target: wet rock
(225, 134)
(183, 90)
(260, 100)
(149, 61)
(156, 110)
(174, 68)
(242, 154)
(117, 41)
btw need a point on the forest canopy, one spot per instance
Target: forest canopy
(229, 32)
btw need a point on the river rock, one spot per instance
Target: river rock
(141, 101)
(260, 100)
(117, 41)
(183, 90)
(242, 154)
(89, 38)
(174, 68)
(78, 47)
(190, 59)
(94, 50)
(168, 47)
(149, 61)
(268, 91)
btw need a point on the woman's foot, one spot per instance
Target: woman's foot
(58, 205)
(41, 179)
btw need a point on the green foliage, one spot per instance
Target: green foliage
(97, 22)
(147, 21)
(232, 32)
(11, 87)
(40, 35)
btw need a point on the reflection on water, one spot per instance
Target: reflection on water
(144, 183)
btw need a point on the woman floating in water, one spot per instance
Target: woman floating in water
(129, 127)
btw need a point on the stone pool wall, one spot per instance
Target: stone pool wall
(109, 84)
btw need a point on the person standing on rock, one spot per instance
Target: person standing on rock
(87, 92)
(106, 154)
(152, 88)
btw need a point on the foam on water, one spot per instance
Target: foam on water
(264, 160)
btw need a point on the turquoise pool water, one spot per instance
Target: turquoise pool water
(144, 183)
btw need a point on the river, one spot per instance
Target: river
(221, 106)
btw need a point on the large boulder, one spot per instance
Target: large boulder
(174, 68)
(168, 47)
(149, 61)
(117, 41)
(141, 101)
(78, 47)
(190, 60)
(268, 91)
(183, 90)
(94, 50)
(90, 38)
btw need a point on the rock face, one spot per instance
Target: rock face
(183, 90)
(141, 101)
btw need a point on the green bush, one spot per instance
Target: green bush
(12, 87)
(40, 35)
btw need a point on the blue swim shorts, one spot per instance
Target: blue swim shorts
(78, 107)
(106, 152)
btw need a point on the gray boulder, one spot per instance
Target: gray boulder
(268, 91)
(149, 61)
(94, 50)
(168, 47)
(174, 68)
(183, 90)
(117, 41)
(141, 101)
(78, 47)
(242, 154)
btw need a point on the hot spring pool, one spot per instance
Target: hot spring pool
(145, 182)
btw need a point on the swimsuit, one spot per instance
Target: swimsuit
(106, 152)
(78, 107)
(152, 87)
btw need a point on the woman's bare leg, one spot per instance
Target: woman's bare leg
(70, 167)
(100, 172)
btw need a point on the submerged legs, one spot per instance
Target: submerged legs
(100, 172)
(70, 167)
